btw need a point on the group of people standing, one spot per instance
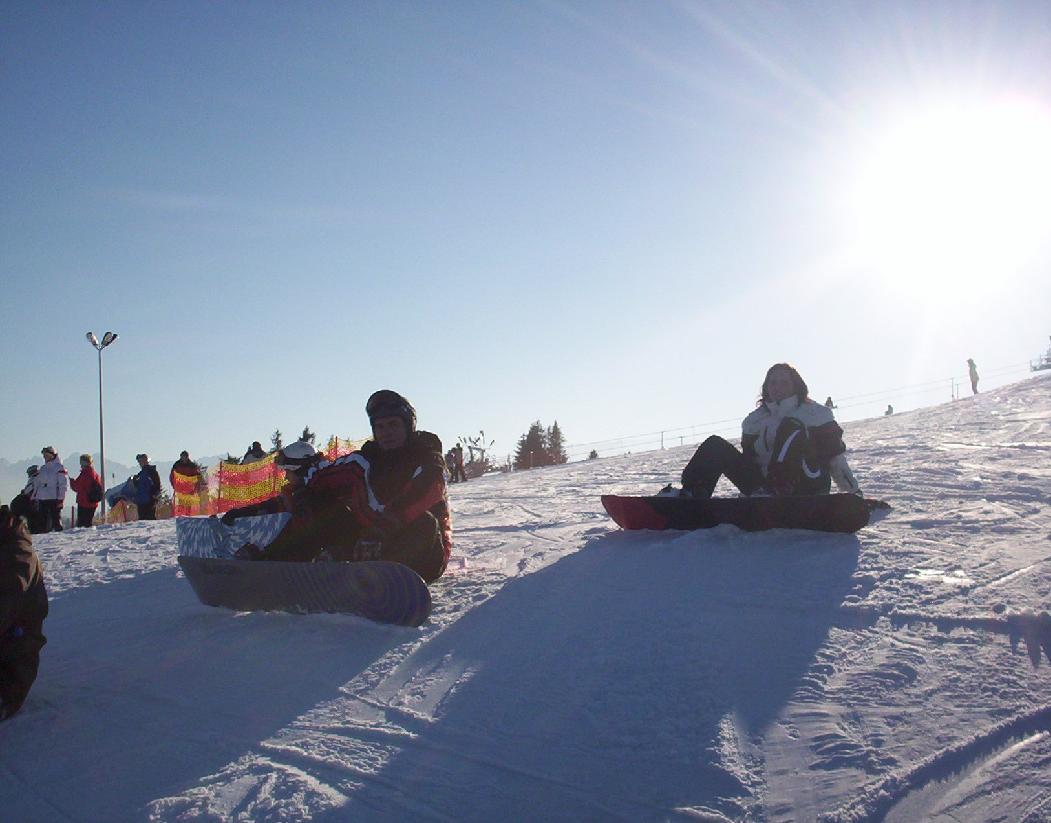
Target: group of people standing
(41, 500)
(454, 464)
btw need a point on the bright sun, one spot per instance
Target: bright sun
(954, 196)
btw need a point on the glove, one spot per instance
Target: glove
(228, 518)
(844, 477)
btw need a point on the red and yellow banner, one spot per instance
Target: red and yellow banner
(232, 485)
(189, 495)
(246, 484)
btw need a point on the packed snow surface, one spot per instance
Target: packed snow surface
(574, 671)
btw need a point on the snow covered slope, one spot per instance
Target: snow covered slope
(573, 671)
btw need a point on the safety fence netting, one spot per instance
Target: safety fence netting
(232, 485)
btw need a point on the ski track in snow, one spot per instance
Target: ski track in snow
(573, 671)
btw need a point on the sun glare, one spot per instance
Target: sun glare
(954, 196)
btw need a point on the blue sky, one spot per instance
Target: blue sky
(616, 215)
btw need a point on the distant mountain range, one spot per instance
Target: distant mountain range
(13, 474)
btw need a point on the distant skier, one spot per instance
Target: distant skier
(972, 372)
(386, 501)
(790, 445)
(889, 411)
(829, 404)
(459, 473)
(23, 607)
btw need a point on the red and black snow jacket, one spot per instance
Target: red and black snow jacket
(83, 483)
(406, 482)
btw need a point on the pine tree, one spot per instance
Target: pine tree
(307, 436)
(532, 448)
(556, 446)
(275, 440)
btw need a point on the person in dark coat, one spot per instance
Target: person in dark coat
(386, 501)
(184, 466)
(255, 452)
(23, 607)
(459, 475)
(789, 445)
(147, 488)
(24, 503)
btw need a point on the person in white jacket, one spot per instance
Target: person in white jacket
(789, 445)
(49, 489)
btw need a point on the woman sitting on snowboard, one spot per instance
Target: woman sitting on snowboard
(791, 446)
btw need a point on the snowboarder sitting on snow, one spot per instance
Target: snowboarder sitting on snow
(790, 445)
(387, 501)
(23, 607)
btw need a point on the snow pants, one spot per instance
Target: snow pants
(85, 516)
(790, 470)
(50, 515)
(337, 528)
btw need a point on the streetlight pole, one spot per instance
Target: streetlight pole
(107, 338)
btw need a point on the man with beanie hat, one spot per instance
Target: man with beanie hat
(147, 488)
(386, 501)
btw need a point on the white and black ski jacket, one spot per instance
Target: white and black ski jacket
(759, 431)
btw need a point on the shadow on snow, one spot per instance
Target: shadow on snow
(617, 682)
(142, 690)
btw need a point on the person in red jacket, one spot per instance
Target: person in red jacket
(387, 501)
(88, 487)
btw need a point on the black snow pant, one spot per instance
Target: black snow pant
(85, 517)
(791, 469)
(50, 515)
(147, 511)
(714, 458)
(419, 546)
(337, 530)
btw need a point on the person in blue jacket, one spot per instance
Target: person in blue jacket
(147, 488)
